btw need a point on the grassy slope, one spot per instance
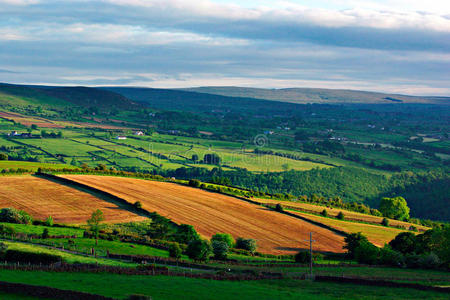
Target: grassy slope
(162, 287)
(33, 166)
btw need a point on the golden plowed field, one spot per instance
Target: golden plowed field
(211, 213)
(42, 198)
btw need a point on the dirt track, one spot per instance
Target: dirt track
(42, 198)
(210, 213)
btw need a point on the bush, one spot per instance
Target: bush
(279, 208)
(137, 205)
(175, 251)
(340, 216)
(366, 253)
(45, 234)
(302, 257)
(12, 215)
(404, 242)
(220, 249)
(385, 222)
(429, 261)
(324, 213)
(199, 250)
(390, 257)
(352, 241)
(224, 237)
(49, 221)
(186, 233)
(195, 183)
(3, 156)
(31, 257)
(246, 244)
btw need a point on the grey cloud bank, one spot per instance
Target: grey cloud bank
(177, 43)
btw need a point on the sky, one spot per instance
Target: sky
(395, 46)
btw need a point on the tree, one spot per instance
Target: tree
(352, 241)
(324, 213)
(366, 253)
(199, 250)
(394, 208)
(137, 205)
(45, 234)
(34, 127)
(385, 222)
(404, 242)
(246, 244)
(12, 215)
(212, 159)
(279, 208)
(3, 156)
(94, 223)
(340, 216)
(194, 158)
(391, 257)
(220, 249)
(223, 237)
(175, 251)
(194, 183)
(186, 233)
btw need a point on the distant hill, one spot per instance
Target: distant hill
(58, 97)
(313, 95)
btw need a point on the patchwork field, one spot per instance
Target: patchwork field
(42, 198)
(211, 213)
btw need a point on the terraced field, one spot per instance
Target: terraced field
(211, 213)
(42, 198)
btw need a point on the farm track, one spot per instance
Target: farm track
(211, 213)
(42, 198)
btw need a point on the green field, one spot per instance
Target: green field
(163, 287)
(5, 164)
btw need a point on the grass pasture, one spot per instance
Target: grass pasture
(42, 198)
(33, 166)
(211, 213)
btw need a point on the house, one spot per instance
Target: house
(139, 133)
(121, 137)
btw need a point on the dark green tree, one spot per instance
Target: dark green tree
(394, 208)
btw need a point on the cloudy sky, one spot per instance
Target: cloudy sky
(398, 46)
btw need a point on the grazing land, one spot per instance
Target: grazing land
(43, 198)
(211, 213)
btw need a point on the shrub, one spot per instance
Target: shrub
(302, 257)
(224, 237)
(195, 183)
(352, 241)
(340, 216)
(186, 233)
(45, 234)
(199, 250)
(324, 213)
(429, 261)
(49, 221)
(3, 156)
(137, 205)
(31, 257)
(404, 242)
(366, 253)
(246, 244)
(220, 249)
(175, 251)
(390, 257)
(385, 222)
(12, 215)
(279, 208)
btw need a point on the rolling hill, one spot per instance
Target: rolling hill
(313, 95)
(211, 213)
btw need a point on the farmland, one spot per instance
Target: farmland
(43, 198)
(274, 232)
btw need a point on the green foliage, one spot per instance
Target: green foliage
(94, 222)
(186, 233)
(246, 244)
(324, 213)
(194, 183)
(390, 257)
(212, 159)
(385, 222)
(404, 242)
(352, 241)
(394, 208)
(302, 257)
(279, 208)
(31, 257)
(49, 221)
(12, 215)
(3, 156)
(4, 229)
(137, 205)
(340, 216)
(224, 237)
(366, 253)
(220, 249)
(175, 250)
(45, 234)
(199, 250)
